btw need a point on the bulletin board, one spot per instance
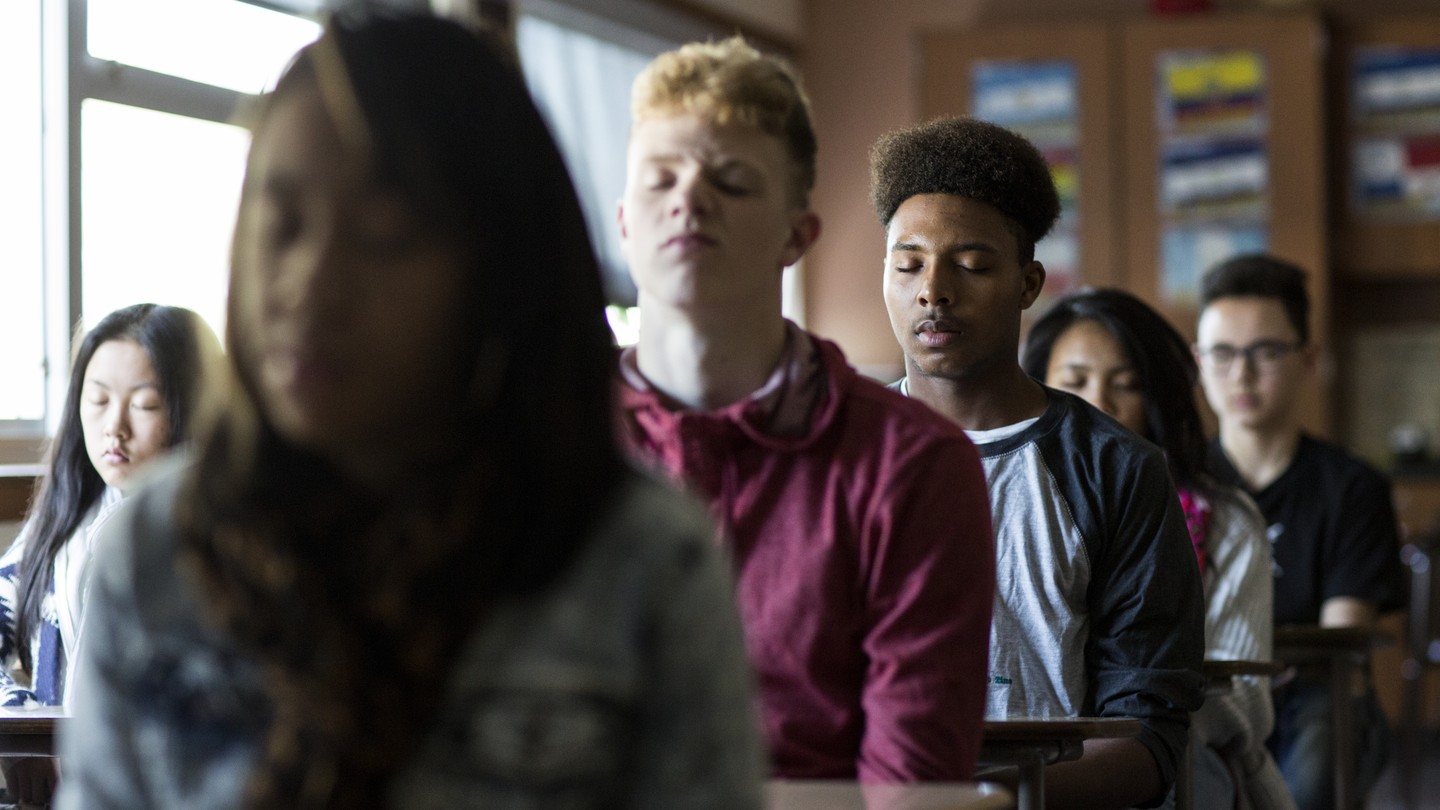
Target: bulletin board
(1039, 98)
(1395, 142)
(1053, 83)
(1225, 153)
(1212, 122)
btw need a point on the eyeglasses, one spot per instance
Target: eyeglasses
(1263, 355)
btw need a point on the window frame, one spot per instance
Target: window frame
(70, 75)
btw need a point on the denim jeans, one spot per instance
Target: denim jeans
(1303, 742)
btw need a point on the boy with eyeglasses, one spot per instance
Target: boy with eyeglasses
(1330, 518)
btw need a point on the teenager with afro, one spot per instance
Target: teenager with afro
(1098, 605)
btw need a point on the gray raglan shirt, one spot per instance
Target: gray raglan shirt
(1098, 602)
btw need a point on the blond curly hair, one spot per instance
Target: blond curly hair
(731, 82)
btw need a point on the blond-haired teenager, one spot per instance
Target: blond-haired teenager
(857, 521)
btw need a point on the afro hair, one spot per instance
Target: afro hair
(968, 158)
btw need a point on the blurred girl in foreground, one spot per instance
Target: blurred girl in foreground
(413, 570)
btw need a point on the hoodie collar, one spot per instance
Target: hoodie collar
(785, 410)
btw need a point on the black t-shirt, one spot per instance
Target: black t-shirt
(1332, 530)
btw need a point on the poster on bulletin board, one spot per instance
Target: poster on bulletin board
(1040, 100)
(1395, 163)
(1212, 120)
(1188, 251)
(1210, 179)
(1206, 93)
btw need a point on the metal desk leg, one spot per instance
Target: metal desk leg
(1342, 667)
(1030, 790)
(1185, 776)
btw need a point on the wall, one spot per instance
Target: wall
(783, 18)
(860, 63)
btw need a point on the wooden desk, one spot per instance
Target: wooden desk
(17, 482)
(1344, 653)
(1219, 679)
(1219, 674)
(1031, 743)
(29, 732)
(828, 795)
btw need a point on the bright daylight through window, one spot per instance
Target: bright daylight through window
(160, 191)
(157, 158)
(159, 167)
(22, 327)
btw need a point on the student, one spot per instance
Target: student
(856, 520)
(1099, 606)
(412, 569)
(1331, 520)
(1109, 348)
(130, 398)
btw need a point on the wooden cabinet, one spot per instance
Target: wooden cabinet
(15, 496)
(1290, 48)
(950, 61)
(1125, 222)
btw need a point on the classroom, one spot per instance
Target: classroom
(782, 404)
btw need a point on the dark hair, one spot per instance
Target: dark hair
(968, 158)
(1164, 368)
(177, 343)
(1262, 276)
(355, 602)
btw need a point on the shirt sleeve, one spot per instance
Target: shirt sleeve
(1239, 623)
(930, 588)
(102, 761)
(1364, 559)
(699, 735)
(11, 692)
(1147, 631)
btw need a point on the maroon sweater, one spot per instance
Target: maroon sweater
(864, 559)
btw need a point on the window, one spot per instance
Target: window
(160, 166)
(130, 105)
(120, 168)
(22, 328)
(159, 193)
(581, 82)
(229, 44)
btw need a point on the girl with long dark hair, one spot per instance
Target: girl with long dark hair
(413, 568)
(1114, 351)
(130, 397)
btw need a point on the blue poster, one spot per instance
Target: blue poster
(1187, 252)
(1035, 98)
(1040, 100)
(1391, 80)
